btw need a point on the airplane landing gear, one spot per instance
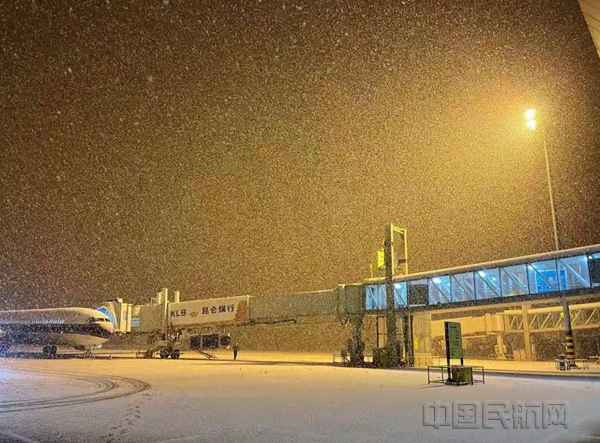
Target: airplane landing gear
(4, 347)
(50, 351)
(169, 351)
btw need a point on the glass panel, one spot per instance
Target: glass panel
(542, 277)
(417, 292)
(439, 290)
(400, 294)
(594, 265)
(573, 273)
(375, 297)
(487, 284)
(463, 287)
(514, 280)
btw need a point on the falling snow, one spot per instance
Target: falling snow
(226, 148)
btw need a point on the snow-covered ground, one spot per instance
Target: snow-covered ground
(592, 368)
(225, 401)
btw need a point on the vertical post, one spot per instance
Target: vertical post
(357, 357)
(409, 344)
(552, 210)
(570, 349)
(526, 333)
(500, 355)
(391, 339)
(447, 340)
(165, 316)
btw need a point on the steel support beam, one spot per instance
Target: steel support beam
(392, 332)
(526, 334)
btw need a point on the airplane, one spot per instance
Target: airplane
(82, 328)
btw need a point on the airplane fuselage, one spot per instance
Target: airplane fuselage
(81, 328)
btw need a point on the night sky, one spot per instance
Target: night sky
(234, 147)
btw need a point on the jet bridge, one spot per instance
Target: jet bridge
(162, 313)
(165, 319)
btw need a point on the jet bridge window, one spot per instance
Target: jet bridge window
(514, 280)
(463, 287)
(375, 297)
(400, 294)
(574, 273)
(542, 277)
(487, 284)
(439, 290)
(418, 294)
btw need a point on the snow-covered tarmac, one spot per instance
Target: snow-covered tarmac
(225, 401)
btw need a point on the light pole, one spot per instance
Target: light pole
(531, 123)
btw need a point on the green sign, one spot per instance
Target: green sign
(454, 347)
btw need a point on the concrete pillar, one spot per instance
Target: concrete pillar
(380, 331)
(526, 335)
(422, 332)
(500, 354)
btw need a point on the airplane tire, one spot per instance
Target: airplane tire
(46, 351)
(4, 347)
(175, 354)
(53, 351)
(163, 353)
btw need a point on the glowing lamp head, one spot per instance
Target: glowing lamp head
(531, 124)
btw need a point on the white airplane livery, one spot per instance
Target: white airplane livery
(81, 328)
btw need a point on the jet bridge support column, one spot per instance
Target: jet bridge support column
(357, 346)
(392, 331)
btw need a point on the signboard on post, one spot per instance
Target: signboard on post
(454, 347)
(209, 311)
(380, 259)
